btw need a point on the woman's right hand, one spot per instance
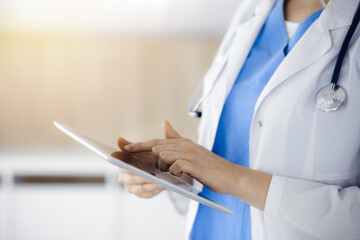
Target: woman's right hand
(134, 184)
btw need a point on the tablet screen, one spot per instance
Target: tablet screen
(143, 161)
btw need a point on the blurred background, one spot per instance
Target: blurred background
(108, 68)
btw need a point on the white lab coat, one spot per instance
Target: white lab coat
(314, 156)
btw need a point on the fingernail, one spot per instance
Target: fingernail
(129, 147)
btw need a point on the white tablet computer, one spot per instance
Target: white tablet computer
(143, 169)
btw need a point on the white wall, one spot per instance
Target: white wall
(38, 69)
(73, 211)
(209, 17)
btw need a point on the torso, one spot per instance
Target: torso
(297, 81)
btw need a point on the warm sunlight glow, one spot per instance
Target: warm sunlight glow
(124, 16)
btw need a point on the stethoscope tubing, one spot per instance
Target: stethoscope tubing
(194, 106)
(344, 46)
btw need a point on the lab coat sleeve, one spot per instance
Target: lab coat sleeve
(323, 211)
(242, 12)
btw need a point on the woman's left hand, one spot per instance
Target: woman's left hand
(181, 155)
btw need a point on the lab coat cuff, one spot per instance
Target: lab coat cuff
(274, 195)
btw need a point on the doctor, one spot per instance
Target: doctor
(288, 169)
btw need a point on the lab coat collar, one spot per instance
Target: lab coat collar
(246, 33)
(245, 30)
(339, 14)
(313, 45)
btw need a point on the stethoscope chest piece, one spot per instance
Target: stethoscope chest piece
(330, 98)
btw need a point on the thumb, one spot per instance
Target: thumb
(169, 131)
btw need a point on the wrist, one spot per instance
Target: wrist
(237, 181)
(250, 186)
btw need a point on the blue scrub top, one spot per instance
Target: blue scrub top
(232, 138)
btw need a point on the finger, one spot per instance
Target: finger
(170, 153)
(177, 147)
(171, 156)
(122, 142)
(149, 194)
(128, 178)
(157, 150)
(180, 166)
(155, 161)
(169, 131)
(141, 188)
(123, 171)
(123, 156)
(148, 145)
(166, 158)
(163, 166)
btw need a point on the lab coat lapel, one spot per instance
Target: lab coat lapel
(311, 47)
(246, 34)
(305, 53)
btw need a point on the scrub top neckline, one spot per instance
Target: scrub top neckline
(291, 28)
(278, 22)
(304, 25)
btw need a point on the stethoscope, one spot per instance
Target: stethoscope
(328, 99)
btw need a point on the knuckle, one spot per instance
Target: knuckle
(155, 149)
(162, 155)
(189, 146)
(156, 141)
(179, 164)
(176, 168)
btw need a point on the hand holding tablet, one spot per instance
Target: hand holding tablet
(140, 164)
(134, 184)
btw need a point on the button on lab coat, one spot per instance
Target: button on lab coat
(314, 156)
